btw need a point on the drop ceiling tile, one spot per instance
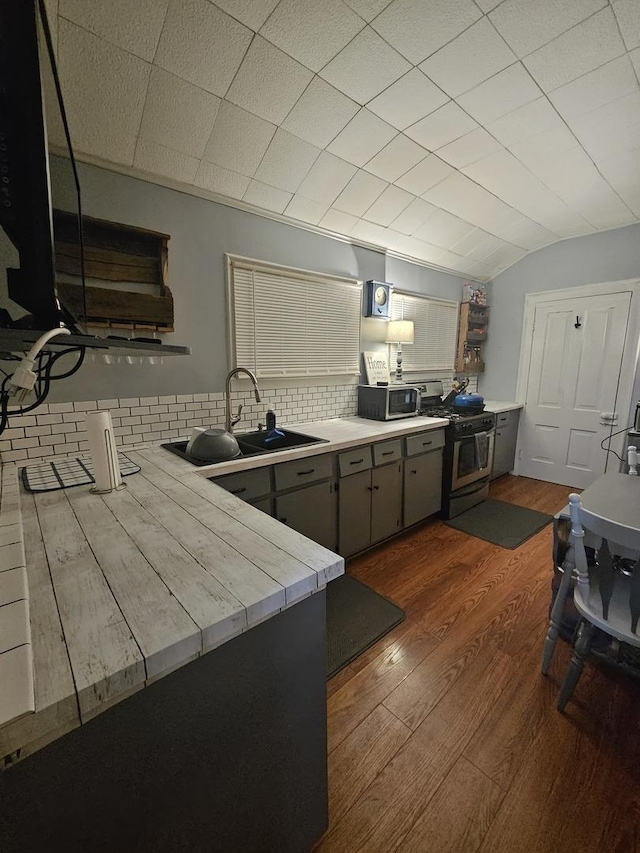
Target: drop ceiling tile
(528, 234)
(368, 231)
(408, 100)
(252, 13)
(417, 28)
(539, 149)
(628, 15)
(368, 9)
(623, 174)
(441, 127)
(320, 114)
(505, 176)
(635, 59)
(104, 88)
(502, 257)
(388, 205)
(576, 52)
(466, 199)
(305, 210)
(396, 158)
(425, 175)
(413, 216)
(611, 128)
(527, 121)
(202, 44)
(501, 94)
(528, 24)
(360, 193)
(469, 148)
(269, 198)
(268, 82)
(328, 176)
(477, 244)
(608, 83)
(219, 180)
(312, 32)
(239, 140)
(134, 27)
(444, 229)
(338, 221)
(160, 160)
(475, 55)
(488, 5)
(286, 161)
(365, 67)
(362, 138)
(187, 126)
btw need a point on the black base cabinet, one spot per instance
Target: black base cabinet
(504, 452)
(312, 511)
(422, 486)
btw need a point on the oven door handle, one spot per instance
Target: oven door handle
(467, 491)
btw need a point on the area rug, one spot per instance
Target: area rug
(503, 524)
(356, 617)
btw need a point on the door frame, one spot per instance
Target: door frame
(630, 355)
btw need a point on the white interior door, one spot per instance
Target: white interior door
(572, 388)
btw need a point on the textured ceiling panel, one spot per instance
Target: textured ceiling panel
(462, 133)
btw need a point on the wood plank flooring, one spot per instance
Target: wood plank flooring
(444, 736)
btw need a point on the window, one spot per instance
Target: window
(288, 322)
(435, 331)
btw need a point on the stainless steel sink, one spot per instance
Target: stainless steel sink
(268, 442)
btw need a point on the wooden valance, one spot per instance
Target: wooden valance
(114, 253)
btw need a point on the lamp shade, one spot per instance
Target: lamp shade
(400, 332)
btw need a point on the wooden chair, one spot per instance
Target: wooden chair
(604, 596)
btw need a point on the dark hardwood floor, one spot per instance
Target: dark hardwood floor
(444, 736)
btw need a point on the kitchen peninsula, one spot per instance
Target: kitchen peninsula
(179, 657)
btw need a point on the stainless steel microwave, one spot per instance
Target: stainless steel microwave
(387, 402)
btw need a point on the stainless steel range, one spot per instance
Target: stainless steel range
(468, 454)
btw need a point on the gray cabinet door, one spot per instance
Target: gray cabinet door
(422, 486)
(355, 513)
(386, 501)
(312, 511)
(504, 454)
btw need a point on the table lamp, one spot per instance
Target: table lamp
(399, 332)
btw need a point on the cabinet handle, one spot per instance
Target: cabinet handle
(304, 473)
(356, 462)
(376, 488)
(238, 491)
(369, 488)
(426, 443)
(498, 433)
(388, 452)
(413, 471)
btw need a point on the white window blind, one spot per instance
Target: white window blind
(435, 324)
(287, 322)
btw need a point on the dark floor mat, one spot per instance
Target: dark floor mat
(356, 617)
(503, 524)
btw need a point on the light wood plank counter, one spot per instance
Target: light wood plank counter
(127, 587)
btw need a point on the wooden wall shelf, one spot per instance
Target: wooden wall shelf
(114, 254)
(472, 335)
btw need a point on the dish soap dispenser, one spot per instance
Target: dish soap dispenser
(271, 420)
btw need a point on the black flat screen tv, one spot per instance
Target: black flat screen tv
(25, 198)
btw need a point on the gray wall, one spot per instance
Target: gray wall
(201, 233)
(608, 256)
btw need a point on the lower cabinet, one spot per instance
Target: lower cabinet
(504, 451)
(312, 511)
(370, 507)
(422, 486)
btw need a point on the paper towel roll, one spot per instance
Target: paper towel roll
(104, 455)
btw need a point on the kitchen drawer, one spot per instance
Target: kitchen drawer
(247, 485)
(352, 461)
(504, 419)
(387, 451)
(424, 442)
(301, 471)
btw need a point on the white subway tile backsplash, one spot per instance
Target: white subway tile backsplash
(59, 428)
